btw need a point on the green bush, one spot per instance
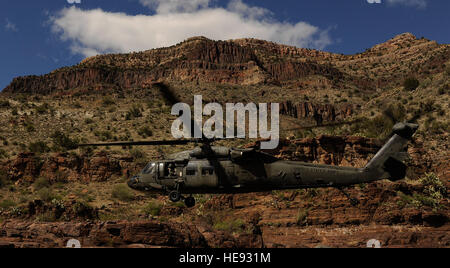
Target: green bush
(43, 109)
(232, 226)
(108, 101)
(46, 194)
(434, 192)
(134, 112)
(153, 209)
(145, 132)
(137, 154)
(3, 179)
(5, 104)
(41, 183)
(3, 154)
(302, 217)
(104, 135)
(62, 141)
(123, 193)
(39, 147)
(5, 204)
(411, 84)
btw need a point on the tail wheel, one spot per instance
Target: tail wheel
(189, 202)
(174, 196)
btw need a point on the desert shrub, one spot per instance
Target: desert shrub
(62, 141)
(29, 127)
(41, 183)
(153, 209)
(302, 217)
(14, 111)
(108, 101)
(434, 192)
(3, 154)
(89, 121)
(232, 226)
(43, 109)
(5, 104)
(134, 112)
(145, 132)
(137, 154)
(411, 84)
(447, 70)
(46, 194)
(39, 147)
(84, 210)
(6, 204)
(3, 179)
(122, 193)
(77, 105)
(433, 186)
(443, 90)
(104, 135)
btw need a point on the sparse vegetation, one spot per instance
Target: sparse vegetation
(41, 183)
(39, 147)
(63, 142)
(434, 192)
(232, 226)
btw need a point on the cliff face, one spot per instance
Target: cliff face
(318, 112)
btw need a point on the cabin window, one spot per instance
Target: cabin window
(191, 170)
(207, 171)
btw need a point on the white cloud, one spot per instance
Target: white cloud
(175, 6)
(9, 26)
(74, 1)
(97, 31)
(410, 3)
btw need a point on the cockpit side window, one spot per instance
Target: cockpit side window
(149, 168)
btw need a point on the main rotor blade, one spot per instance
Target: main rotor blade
(151, 143)
(141, 143)
(327, 125)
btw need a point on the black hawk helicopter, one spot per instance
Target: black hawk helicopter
(211, 169)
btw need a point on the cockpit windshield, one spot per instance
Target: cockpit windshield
(149, 169)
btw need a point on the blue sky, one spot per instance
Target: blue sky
(40, 36)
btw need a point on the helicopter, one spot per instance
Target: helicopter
(209, 169)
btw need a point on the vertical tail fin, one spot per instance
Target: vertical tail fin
(388, 160)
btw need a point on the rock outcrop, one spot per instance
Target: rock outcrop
(318, 112)
(64, 167)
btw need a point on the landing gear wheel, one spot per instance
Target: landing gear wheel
(174, 196)
(189, 202)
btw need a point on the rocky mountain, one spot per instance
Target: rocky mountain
(245, 62)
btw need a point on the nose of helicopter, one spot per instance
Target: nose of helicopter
(133, 182)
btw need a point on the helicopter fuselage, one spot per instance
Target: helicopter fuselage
(258, 173)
